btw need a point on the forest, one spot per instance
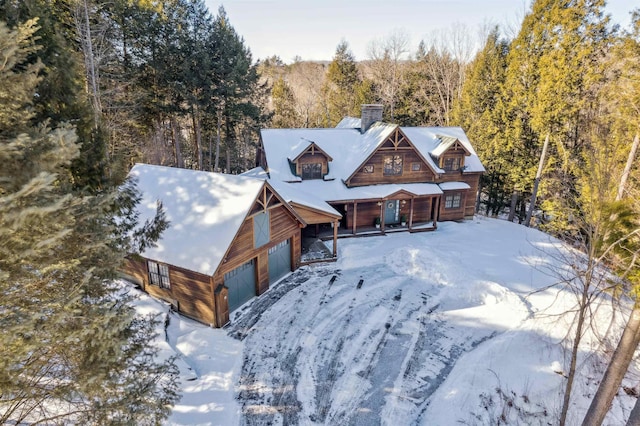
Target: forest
(88, 88)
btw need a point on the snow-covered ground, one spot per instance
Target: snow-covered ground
(457, 326)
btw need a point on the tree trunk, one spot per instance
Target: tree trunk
(198, 133)
(512, 208)
(619, 364)
(536, 182)
(574, 351)
(176, 143)
(616, 370)
(218, 131)
(627, 168)
(89, 59)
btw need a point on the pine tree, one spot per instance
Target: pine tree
(71, 348)
(338, 90)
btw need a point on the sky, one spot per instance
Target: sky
(313, 29)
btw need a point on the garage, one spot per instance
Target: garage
(279, 260)
(241, 283)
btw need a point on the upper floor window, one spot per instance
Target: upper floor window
(451, 164)
(415, 167)
(312, 171)
(393, 165)
(368, 168)
(159, 274)
(452, 201)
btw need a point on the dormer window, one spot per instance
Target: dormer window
(451, 164)
(312, 171)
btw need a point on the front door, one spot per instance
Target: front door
(391, 211)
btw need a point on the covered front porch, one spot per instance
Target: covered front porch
(400, 211)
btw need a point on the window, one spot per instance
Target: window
(451, 164)
(368, 168)
(415, 167)
(452, 201)
(312, 171)
(261, 235)
(393, 165)
(159, 274)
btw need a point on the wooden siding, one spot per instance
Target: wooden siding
(190, 292)
(457, 213)
(422, 210)
(311, 216)
(282, 227)
(408, 176)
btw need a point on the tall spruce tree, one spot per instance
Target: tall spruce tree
(71, 348)
(338, 97)
(476, 112)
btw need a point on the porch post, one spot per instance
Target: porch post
(355, 216)
(436, 212)
(335, 238)
(411, 213)
(382, 209)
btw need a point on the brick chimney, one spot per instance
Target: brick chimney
(370, 114)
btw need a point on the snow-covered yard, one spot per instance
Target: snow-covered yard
(456, 326)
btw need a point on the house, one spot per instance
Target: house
(232, 236)
(229, 238)
(402, 178)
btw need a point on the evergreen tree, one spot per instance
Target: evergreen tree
(71, 349)
(338, 90)
(284, 112)
(476, 113)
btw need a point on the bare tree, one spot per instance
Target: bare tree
(385, 66)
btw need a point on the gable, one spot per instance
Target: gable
(408, 163)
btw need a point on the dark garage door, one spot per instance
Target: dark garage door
(241, 283)
(279, 260)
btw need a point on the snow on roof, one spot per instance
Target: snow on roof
(336, 190)
(205, 211)
(348, 148)
(296, 194)
(430, 140)
(349, 123)
(453, 186)
(256, 172)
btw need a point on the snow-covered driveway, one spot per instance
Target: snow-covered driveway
(456, 326)
(322, 349)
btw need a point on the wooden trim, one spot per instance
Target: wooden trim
(313, 147)
(335, 238)
(355, 216)
(411, 214)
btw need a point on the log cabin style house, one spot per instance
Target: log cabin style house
(230, 237)
(381, 177)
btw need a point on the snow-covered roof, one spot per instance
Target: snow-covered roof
(294, 193)
(349, 123)
(205, 211)
(349, 149)
(453, 186)
(431, 139)
(336, 190)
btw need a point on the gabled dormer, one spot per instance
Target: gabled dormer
(395, 160)
(450, 154)
(311, 162)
